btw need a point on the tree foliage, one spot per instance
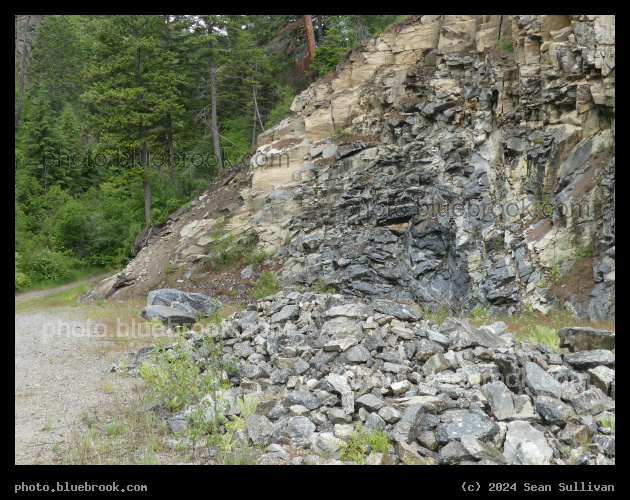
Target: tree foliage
(113, 108)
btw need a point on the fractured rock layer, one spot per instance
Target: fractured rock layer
(454, 161)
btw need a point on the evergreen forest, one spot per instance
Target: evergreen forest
(122, 119)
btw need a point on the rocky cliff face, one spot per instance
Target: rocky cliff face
(456, 161)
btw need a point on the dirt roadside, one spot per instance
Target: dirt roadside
(33, 294)
(57, 379)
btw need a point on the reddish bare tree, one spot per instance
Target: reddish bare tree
(310, 40)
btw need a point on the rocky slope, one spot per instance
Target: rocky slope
(453, 160)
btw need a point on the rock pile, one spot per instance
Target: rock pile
(320, 364)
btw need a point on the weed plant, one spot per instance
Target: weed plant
(543, 335)
(320, 287)
(609, 422)
(437, 316)
(361, 442)
(266, 285)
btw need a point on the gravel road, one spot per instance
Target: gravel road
(58, 377)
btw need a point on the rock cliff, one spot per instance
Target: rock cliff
(456, 161)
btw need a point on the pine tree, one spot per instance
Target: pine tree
(135, 87)
(51, 136)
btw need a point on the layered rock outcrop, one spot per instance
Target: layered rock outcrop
(456, 161)
(440, 166)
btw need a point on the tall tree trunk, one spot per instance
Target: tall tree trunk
(142, 134)
(169, 128)
(169, 131)
(254, 127)
(215, 130)
(22, 69)
(320, 30)
(256, 110)
(310, 40)
(146, 183)
(17, 28)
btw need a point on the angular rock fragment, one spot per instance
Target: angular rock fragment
(306, 399)
(591, 402)
(400, 311)
(581, 338)
(602, 377)
(369, 402)
(340, 384)
(169, 316)
(525, 443)
(327, 446)
(541, 382)
(259, 429)
(467, 424)
(410, 424)
(555, 411)
(184, 301)
(482, 451)
(583, 360)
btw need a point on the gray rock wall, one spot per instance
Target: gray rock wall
(465, 178)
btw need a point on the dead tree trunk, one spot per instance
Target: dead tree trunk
(310, 40)
(213, 96)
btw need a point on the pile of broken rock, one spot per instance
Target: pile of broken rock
(320, 364)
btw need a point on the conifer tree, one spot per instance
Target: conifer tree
(133, 89)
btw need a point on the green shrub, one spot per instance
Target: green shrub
(361, 441)
(544, 206)
(437, 316)
(46, 265)
(256, 258)
(266, 285)
(498, 243)
(479, 312)
(21, 279)
(320, 287)
(609, 423)
(528, 310)
(223, 246)
(505, 42)
(282, 108)
(176, 379)
(328, 54)
(225, 249)
(338, 133)
(554, 273)
(582, 253)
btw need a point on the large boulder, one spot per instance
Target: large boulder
(462, 334)
(168, 315)
(184, 301)
(583, 338)
(400, 311)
